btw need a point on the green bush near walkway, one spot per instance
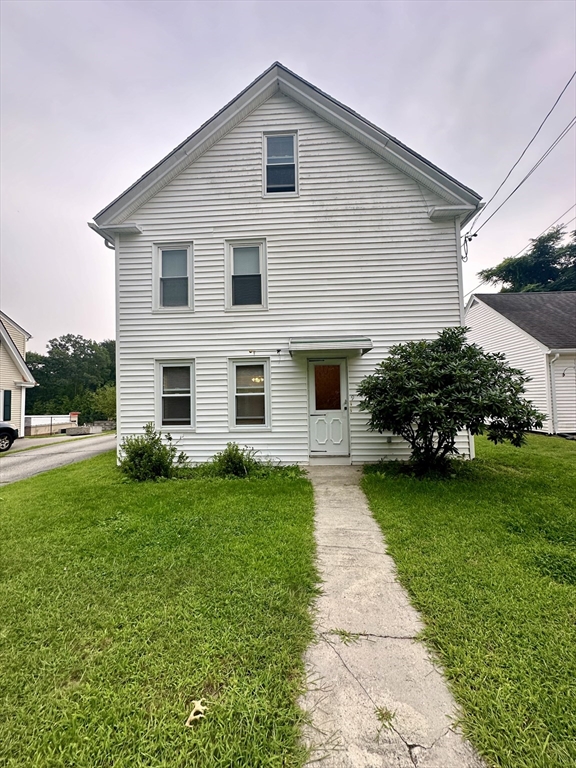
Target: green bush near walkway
(122, 603)
(489, 558)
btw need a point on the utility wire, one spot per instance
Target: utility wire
(527, 246)
(523, 153)
(547, 228)
(474, 289)
(554, 144)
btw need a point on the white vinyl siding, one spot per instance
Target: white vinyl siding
(355, 254)
(564, 382)
(494, 333)
(9, 375)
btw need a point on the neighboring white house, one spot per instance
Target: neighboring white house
(267, 264)
(15, 376)
(537, 333)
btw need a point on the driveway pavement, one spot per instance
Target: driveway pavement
(18, 465)
(376, 699)
(25, 443)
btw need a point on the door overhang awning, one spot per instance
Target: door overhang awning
(360, 344)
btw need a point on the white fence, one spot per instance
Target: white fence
(50, 423)
(46, 421)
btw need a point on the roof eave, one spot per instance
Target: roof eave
(278, 77)
(17, 358)
(19, 327)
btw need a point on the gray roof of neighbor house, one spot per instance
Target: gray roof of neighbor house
(549, 317)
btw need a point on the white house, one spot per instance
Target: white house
(15, 377)
(537, 333)
(267, 264)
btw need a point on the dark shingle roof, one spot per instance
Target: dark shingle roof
(549, 317)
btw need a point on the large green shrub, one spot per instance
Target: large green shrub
(147, 457)
(428, 391)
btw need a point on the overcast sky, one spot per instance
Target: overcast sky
(96, 92)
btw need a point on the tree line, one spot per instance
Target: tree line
(548, 265)
(76, 374)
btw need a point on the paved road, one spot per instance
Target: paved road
(17, 466)
(25, 443)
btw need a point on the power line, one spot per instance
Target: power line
(554, 144)
(523, 152)
(527, 246)
(547, 228)
(473, 289)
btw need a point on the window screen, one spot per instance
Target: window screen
(176, 395)
(250, 395)
(246, 275)
(280, 164)
(174, 278)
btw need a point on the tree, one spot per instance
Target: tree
(104, 401)
(547, 266)
(68, 375)
(428, 391)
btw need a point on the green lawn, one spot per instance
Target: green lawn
(489, 558)
(121, 604)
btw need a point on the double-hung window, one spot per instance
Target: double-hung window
(177, 391)
(280, 163)
(250, 394)
(246, 280)
(174, 277)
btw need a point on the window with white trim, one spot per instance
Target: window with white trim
(250, 393)
(280, 163)
(173, 277)
(246, 275)
(177, 394)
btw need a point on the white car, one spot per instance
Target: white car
(8, 433)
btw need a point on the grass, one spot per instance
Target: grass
(124, 604)
(489, 558)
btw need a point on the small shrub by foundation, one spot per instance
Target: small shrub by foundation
(148, 457)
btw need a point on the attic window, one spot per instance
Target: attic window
(280, 162)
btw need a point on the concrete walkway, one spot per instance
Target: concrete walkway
(375, 697)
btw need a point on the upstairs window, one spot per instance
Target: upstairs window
(246, 279)
(173, 277)
(176, 395)
(280, 163)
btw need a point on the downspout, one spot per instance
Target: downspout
(107, 242)
(459, 258)
(553, 391)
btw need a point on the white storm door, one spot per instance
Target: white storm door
(328, 396)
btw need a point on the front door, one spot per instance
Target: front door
(328, 393)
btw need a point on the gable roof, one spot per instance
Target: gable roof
(13, 351)
(549, 317)
(4, 317)
(461, 200)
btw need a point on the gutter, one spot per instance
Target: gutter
(108, 233)
(107, 242)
